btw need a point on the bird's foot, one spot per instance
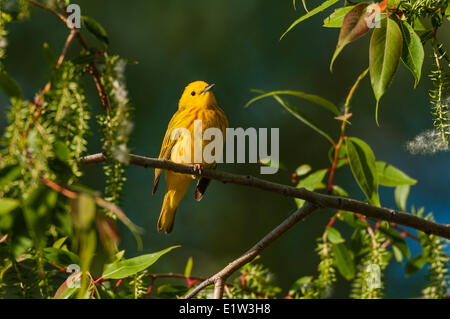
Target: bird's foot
(198, 169)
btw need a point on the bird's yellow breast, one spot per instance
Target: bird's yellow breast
(212, 117)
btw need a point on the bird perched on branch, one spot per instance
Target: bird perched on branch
(196, 103)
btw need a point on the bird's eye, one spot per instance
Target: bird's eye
(192, 93)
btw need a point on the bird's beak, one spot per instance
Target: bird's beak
(206, 89)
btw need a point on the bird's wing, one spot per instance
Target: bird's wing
(201, 187)
(167, 145)
(221, 122)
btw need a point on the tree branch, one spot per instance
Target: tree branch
(218, 288)
(48, 86)
(93, 69)
(193, 279)
(219, 279)
(56, 13)
(61, 58)
(318, 199)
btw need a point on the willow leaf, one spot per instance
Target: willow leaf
(314, 11)
(330, 106)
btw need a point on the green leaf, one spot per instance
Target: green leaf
(384, 56)
(118, 256)
(62, 151)
(350, 219)
(300, 284)
(389, 175)
(64, 291)
(294, 3)
(9, 173)
(354, 26)
(386, 257)
(418, 25)
(334, 236)
(304, 5)
(302, 170)
(447, 12)
(330, 106)
(60, 242)
(82, 211)
(316, 10)
(397, 254)
(37, 210)
(311, 182)
(402, 247)
(8, 205)
(170, 291)
(336, 19)
(136, 230)
(188, 269)
(344, 261)
(96, 29)
(88, 243)
(267, 161)
(415, 264)
(49, 55)
(362, 164)
(401, 196)
(357, 245)
(60, 257)
(395, 239)
(341, 156)
(339, 191)
(129, 267)
(108, 232)
(10, 87)
(391, 3)
(298, 114)
(412, 53)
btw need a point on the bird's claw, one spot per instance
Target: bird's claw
(198, 169)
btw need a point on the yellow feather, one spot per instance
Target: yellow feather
(195, 104)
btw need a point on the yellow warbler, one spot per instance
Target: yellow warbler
(196, 103)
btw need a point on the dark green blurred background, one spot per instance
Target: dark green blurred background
(235, 44)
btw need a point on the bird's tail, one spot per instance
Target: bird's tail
(174, 193)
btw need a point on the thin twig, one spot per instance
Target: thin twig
(56, 13)
(219, 278)
(48, 86)
(96, 76)
(61, 58)
(99, 201)
(405, 233)
(321, 200)
(72, 33)
(58, 188)
(92, 67)
(344, 119)
(194, 279)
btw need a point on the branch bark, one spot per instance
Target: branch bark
(318, 199)
(219, 278)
